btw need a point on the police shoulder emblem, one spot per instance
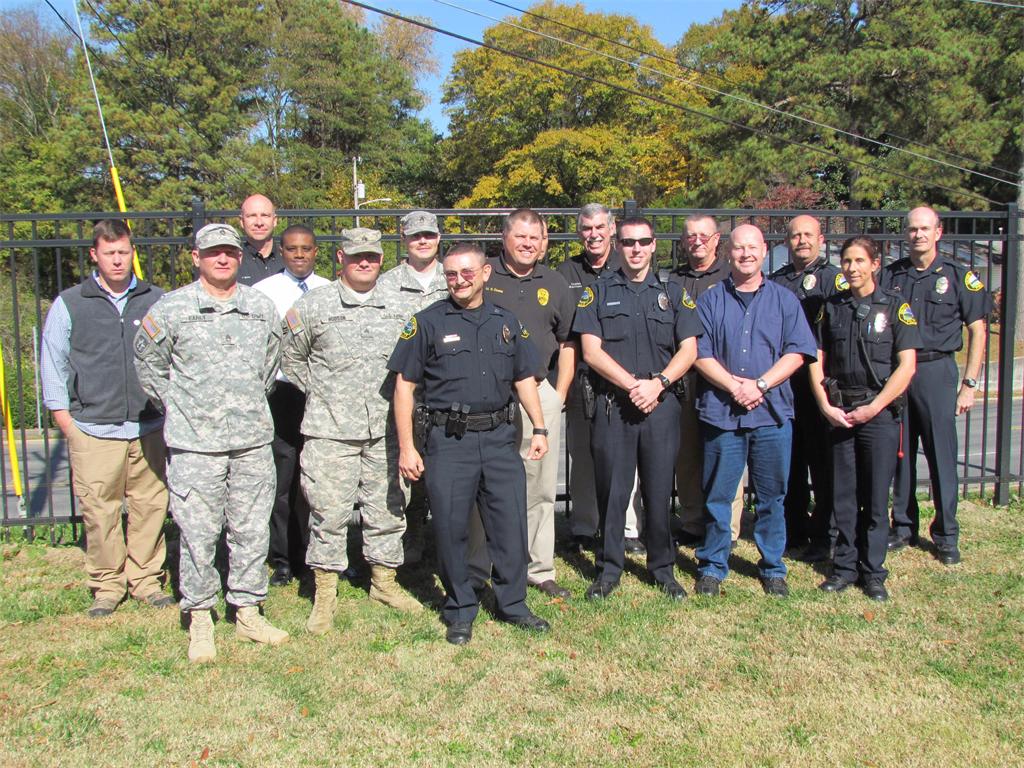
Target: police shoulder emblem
(906, 315)
(972, 282)
(841, 284)
(506, 334)
(410, 329)
(543, 296)
(809, 282)
(688, 301)
(941, 285)
(663, 300)
(586, 299)
(293, 320)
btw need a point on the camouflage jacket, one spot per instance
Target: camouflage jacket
(411, 294)
(336, 350)
(210, 363)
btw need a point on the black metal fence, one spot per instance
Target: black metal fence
(44, 253)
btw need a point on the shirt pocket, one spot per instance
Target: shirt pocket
(503, 358)
(940, 308)
(615, 324)
(455, 359)
(339, 340)
(662, 326)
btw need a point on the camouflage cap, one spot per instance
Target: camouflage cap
(419, 221)
(360, 240)
(217, 234)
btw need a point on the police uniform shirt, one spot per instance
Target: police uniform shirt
(816, 284)
(254, 267)
(943, 298)
(696, 281)
(640, 324)
(855, 331)
(466, 356)
(541, 301)
(580, 274)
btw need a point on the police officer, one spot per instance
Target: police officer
(639, 335)
(810, 276)
(467, 354)
(208, 352)
(944, 297)
(867, 342)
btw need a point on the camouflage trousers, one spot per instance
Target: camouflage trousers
(336, 474)
(211, 491)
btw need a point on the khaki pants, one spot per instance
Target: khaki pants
(690, 466)
(107, 473)
(541, 489)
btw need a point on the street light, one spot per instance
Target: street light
(367, 202)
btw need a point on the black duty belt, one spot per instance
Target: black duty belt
(853, 397)
(927, 357)
(475, 422)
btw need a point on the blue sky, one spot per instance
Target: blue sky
(668, 19)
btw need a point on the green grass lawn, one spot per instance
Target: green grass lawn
(932, 678)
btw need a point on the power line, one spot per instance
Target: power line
(666, 102)
(724, 94)
(1018, 6)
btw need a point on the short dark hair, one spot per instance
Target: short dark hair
(465, 247)
(636, 221)
(110, 230)
(862, 241)
(527, 215)
(298, 229)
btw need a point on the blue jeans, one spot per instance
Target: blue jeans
(726, 452)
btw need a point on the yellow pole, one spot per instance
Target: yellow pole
(15, 468)
(136, 265)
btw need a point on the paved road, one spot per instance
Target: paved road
(48, 477)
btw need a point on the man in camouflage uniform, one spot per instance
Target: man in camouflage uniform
(208, 352)
(419, 281)
(338, 340)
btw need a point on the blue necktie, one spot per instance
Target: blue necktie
(302, 286)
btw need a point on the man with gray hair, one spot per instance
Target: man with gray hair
(208, 352)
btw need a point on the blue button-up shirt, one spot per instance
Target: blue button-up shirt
(747, 341)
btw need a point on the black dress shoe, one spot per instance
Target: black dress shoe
(281, 576)
(875, 589)
(581, 544)
(551, 587)
(897, 542)
(775, 586)
(635, 547)
(834, 583)
(709, 586)
(600, 589)
(947, 555)
(529, 622)
(459, 632)
(687, 539)
(673, 590)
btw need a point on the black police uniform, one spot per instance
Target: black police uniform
(944, 298)
(813, 286)
(253, 267)
(640, 326)
(861, 339)
(472, 357)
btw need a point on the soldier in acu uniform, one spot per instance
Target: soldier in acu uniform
(208, 353)
(339, 337)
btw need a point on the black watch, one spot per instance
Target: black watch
(972, 383)
(763, 386)
(664, 381)
(540, 431)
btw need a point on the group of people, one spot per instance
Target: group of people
(268, 402)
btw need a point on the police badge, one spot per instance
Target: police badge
(941, 285)
(809, 282)
(663, 300)
(881, 322)
(506, 334)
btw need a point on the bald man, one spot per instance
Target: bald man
(813, 281)
(755, 338)
(944, 296)
(261, 256)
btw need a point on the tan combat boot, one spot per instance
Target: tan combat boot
(321, 619)
(200, 638)
(250, 625)
(384, 589)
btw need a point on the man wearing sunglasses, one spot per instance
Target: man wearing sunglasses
(639, 336)
(467, 355)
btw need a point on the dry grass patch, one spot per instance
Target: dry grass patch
(934, 676)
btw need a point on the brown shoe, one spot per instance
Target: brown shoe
(102, 607)
(551, 588)
(158, 600)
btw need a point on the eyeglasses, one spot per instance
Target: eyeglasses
(700, 238)
(629, 242)
(466, 274)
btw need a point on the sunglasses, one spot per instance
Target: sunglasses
(700, 238)
(629, 242)
(466, 274)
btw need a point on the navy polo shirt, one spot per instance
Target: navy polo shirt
(466, 356)
(640, 324)
(943, 297)
(747, 341)
(697, 281)
(580, 273)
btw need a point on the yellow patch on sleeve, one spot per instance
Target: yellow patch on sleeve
(906, 315)
(154, 331)
(687, 301)
(409, 330)
(586, 299)
(972, 281)
(293, 320)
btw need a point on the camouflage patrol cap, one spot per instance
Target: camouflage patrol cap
(360, 240)
(419, 221)
(213, 235)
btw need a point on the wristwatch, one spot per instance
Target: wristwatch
(762, 385)
(972, 383)
(664, 380)
(540, 431)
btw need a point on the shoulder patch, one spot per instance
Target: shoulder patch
(409, 330)
(906, 314)
(972, 281)
(687, 301)
(154, 331)
(293, 320)
(841, 284)
(586, 299)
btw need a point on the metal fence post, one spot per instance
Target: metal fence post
(198, 214)
(1007, 322)
(629, 209)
